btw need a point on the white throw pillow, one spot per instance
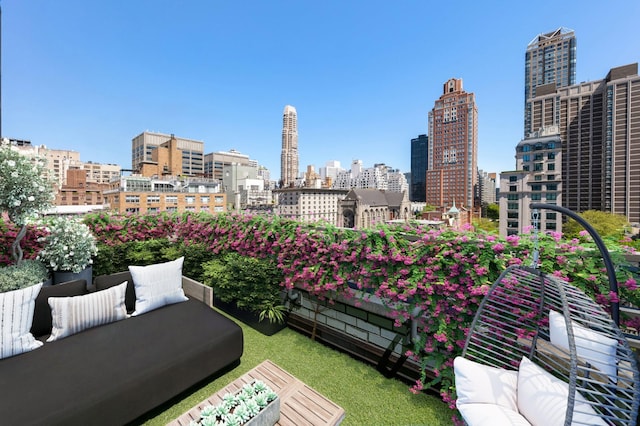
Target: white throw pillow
(157, 285)
(543, 399)
(481, 384)
(71, 315)
(591, 346)
(16, 317)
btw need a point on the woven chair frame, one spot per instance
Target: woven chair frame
(512, 321)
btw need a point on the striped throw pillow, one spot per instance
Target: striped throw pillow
(71, 315)
(16, 317)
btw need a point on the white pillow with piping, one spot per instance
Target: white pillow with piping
(543, 399)
(593, 347)
(157, 285)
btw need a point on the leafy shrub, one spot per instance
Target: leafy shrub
(69, 245)
(29, 272)
(253, 284)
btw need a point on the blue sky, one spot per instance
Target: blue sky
(363, 75)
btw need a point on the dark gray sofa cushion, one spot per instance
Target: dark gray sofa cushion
(104, 282)
(41, 325)
(112, 374)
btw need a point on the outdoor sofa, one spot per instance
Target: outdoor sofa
(114, 373)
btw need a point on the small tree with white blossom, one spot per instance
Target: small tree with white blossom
(25, 190)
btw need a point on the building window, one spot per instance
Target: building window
(551, 226)
(513, 188)
(551, 177)
(551, 216)
(219, 199)
(513, 178)
(153, 199)
(204, 199)
(525, 167)
(537, 167)
(537, 177)
(552, 197)
(512, 224)
(171, 199)
(536, 197)
(536, 187)
(551, 156)
(132, 210)
(552, 187)
(512, 197)
(512, 206)
(190, 199)
(132, 199)
(218, 209)
(551, 166)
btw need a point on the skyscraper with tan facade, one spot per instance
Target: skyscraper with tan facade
(453, 149)
(289, 157)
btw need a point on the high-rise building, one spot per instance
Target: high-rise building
(419, 154)
(550, 59)
(289, 157)
(191, 151)
(537, 179)
(486, 193)
(598, 126)
(215, 162)
(452, 160)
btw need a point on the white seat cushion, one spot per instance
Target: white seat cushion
(491, 415)
(481, 384)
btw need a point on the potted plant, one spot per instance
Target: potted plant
(29, 272)
(254, 404)
(26, 190)
(248, 288)
(68, 249)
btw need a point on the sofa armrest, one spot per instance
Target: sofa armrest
(197, 290)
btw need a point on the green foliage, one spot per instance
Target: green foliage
(29, 272)
(493, 211)
(25, 186)
(68, 246)
(253, 284)
(486, 225)
(606, 224)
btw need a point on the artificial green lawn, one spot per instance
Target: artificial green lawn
(367, 397)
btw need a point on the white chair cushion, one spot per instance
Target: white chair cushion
(481, 384)
(71, 315)
(491, 415)
(591, 346)
(543, 398)
(16, 317)
(157, 285)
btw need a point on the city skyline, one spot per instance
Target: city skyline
(362, 81)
